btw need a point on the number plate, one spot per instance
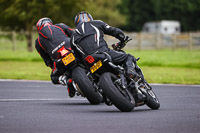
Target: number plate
(96, 66)
(68, 59)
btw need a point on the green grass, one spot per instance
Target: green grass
(168, 58)
(24, 70)
(171, 75)
(162, 58)
(20, 55)
(38, 71)
(164, 66)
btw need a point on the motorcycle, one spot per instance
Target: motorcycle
(79, 80)
(115, 86)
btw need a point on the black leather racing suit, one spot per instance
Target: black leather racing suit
(50, 39)
(88, 38)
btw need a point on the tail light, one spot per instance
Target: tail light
(70, 80)
(63, 51)
(89, 59)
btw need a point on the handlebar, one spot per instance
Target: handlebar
(118, 46)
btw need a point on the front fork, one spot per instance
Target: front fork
(132, 84)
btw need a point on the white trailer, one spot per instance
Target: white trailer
(163, 27)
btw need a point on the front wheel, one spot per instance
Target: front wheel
(152, 100)
(80, 77)
(121, 98)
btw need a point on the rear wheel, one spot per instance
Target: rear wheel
(122, 99)
(80, 77)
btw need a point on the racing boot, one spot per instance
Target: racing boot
(130, 70)
(130, 67)
(131, 73)
(70, 88)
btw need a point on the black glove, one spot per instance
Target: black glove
(126, 39)
(121, 44)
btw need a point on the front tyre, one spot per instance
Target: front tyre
(80, 77)
(152, 100)
(122, 99)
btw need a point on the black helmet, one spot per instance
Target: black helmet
(82, 17)
(41, 22)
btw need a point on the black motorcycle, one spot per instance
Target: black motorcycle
(80, 81)
(115, 86)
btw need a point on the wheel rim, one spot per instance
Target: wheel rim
(151, 93)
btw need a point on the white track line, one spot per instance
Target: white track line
(48, 99)
(16, 80)
(9, 80)
(174, 85)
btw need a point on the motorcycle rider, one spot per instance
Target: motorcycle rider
(51, 38)
(88, 38)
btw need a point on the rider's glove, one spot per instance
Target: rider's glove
(62, 79)
(122, 43)
(126, 39)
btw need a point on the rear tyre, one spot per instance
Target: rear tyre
(122, 99)
(80, 77)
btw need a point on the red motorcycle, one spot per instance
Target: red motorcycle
(80, 81)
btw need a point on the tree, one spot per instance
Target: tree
(140, 11)
(106, 10)
(185, 11)
(137, 12)
(23, 14)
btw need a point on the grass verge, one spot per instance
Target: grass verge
(38, 71)
(163, 66)
(24, 70)
(168, 58)
(171, 75)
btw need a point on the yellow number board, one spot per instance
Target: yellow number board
(68, 59)
(96, 66)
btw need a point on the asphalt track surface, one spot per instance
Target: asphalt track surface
(41, 107)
